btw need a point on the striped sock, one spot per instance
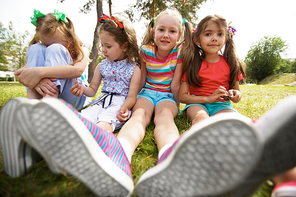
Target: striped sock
(167, 152)
(107, 141)
(163, 149)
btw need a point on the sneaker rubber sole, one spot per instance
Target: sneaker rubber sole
(64, 142)
(18, 157)
(210, 159)
(278, 130)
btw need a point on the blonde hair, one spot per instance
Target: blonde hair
(122, 36)
(196, 55)
(48, 25)
(185, 28)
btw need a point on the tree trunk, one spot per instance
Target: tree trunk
(94, 51)
(110, 7)
(153, 9)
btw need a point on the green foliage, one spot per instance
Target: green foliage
(187, 8)
(285, 66)
(86, 7)
(293, 67)
(3, 67)
(264, 57)
(14, 46)
(100, 58)
(6, 79)
(3, 59)
(279, 79)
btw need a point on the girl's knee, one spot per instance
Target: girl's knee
(164, 113)
(56, 55)
(140, 117)
(36, 48)
(201, 114)
(56, 48)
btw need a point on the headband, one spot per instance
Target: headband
(37, 14)
(104, 18)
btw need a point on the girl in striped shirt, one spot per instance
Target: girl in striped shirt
(161, 68)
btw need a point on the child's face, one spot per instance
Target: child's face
(166, 33)
(110, 48)
(212, 39)
(55, 38)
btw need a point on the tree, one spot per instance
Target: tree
(3, 58)
(264, 57)
(94, 51)
(284, 66)
(293, 67)
(17, 45)
(149, 9)
(14, 46)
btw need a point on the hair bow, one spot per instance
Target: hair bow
(104, 18)
(184, 21)
(231, 30)
(60, 16)
(37, 14)
(153, 20)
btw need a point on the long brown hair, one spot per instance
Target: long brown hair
(48, 25)
(196, 55)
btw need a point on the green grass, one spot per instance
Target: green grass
(256, 100)
(279, 79)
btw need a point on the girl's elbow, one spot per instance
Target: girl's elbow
(181, 99)
(175, 88)
(78, 71)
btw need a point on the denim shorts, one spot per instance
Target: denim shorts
(156, 97)
(213, 108)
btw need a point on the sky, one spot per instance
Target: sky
(253, 19)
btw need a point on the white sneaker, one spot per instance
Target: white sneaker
(18, 157)
(66, 144)
(210, 159)
(277, 129)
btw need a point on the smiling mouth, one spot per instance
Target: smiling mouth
(164, 41)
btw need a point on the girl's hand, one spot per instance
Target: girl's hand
(46, 87)
(28, 76)
(235, 95)
(122, 114)
(77, 89)
(218, 95)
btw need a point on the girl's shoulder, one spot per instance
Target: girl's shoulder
(131, 63)
(222, 60)
(177, 49)
(148, 47)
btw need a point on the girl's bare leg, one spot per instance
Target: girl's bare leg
(196, 113)
(134, 129)
(166, 131)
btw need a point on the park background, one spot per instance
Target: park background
(253, 20)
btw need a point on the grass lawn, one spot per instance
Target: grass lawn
(256, 100)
